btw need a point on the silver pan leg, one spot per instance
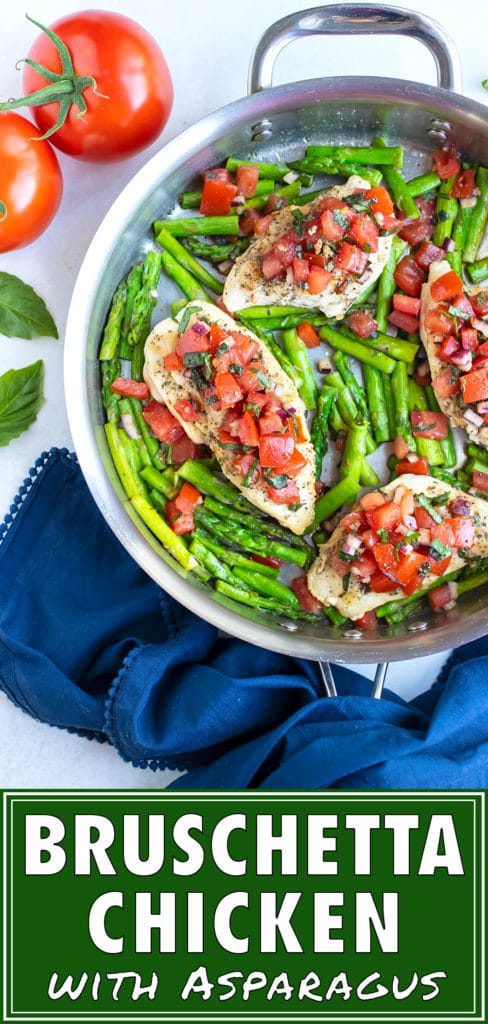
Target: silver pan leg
(379, 680)
(328, 679)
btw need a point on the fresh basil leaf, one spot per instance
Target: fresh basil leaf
(23, 314)
(185, 319)
(21, 397)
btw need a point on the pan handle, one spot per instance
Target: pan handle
(357, 19)
(330, 687)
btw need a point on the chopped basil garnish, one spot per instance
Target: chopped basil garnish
(340, 218)
(223, 347)
(278, 482)
(438, 550)
(236, 368)
(249, 475)
(185, 320)
(263, 378)
(459, 313)
(440, 499)
(424, 501)
(194, 358)
(298, 219)
(383, 535)
(346, 581)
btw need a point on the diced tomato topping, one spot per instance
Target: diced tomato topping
(247, 176)
(406, 304)
(270, 423)
(418, 231)
(443, 533)
(294, 465)
(362, 323)
(243, 463)
(381, 584)
(446, 287)
(438, 322)
(188, 498)
(244, 345)
(173, 362)
(428, 253)
(272, 266)
(222, 363)
(339, 565)
(369, 538)
(424, 520)
(446, 384)
(275, 450)
(474, 386)
(314, 259)
(191, 341)
(403, 321)
(364, 232)
(408, 570)
(330, 203)
(318, 280)
(331, 227)
(248, 430)
(299, 586)
(285, 248)
(288, 495)
(228, 390)
(446, 162)
(263, 225)
(463, 531)
(248, 221)
(381, 200)
(300, 269)
(479, 303)
(218, 173)
(294, 426)
(271, 560)
(464, 186)
(351, 258)
(354, 522)
(232, 421)
(367, 621)
(400, 448)
(462, 303)
(469, 338)
(439, 568)
(217, 197)
(130, 388)
(480, 481)
(439, 597)
(308, 334)
(419, 468)
(184, 448)
(163, 425)
(385, 517)
(432, 425)
(371, 501)
(180, 522)
(249, 381)
(409, 276)
(447, 348)
(216, 336)
(364, 567)
(186, 410)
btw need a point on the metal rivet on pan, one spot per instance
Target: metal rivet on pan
(262, 130)
(415, 627)
(439, 129)
(353, 634)
(291, 626)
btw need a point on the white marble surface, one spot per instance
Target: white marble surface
(208, 47)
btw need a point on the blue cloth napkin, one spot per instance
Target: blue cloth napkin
(89, 643)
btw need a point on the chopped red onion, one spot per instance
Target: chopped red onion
(469, 201)
(472, 417)
(291, 411)
(481, 326)
(200, 328)
(462, 359)
(411, 457)
(283, 414)
(225, 266)
(453, 589)
(238, 200)
(391, 330)
(482, 407)
(129, 426)
(461, 507)
(410, 522)
(324, 365)
(290, 177)
(351, 544)
(424, 537)
(406, 549)
(448, 245)
(423, 368)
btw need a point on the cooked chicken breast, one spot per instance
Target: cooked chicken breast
(449, 406)
(168, 387)
(246, 286)
(327, 585)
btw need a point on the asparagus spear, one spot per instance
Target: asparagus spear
(173, 544)
(322, 165)
(387, 285)
(423, 184)
(273, 171)
(110, 369)
(152, 444)
(341, 494)
(344, 367)
(447, 444)
(399, 384)
(320, 425)
(396, 348)
(127, 475)
(426, 447)
(390, 155)
(479, 218)
(398, 187)
(216, 252)
(268, 587)
(164, 482)
(178, 251)
(288, 192)
(446, 210)
(211, 562)
(111, 334)
(389, 405)
(354, 452)
(268, 527)
(144, 300)
(232, 557)
(291, 371)
(184, 226)
(206, 482)
(257, 543)
(357, 350)
(478, 271)
(297, 353)
(134, 281)
(182, 277)
(376, 401)
(255, 600)
(192, 200)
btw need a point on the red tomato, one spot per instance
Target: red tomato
(385, 517)
(403, 321)
(217, 197)
(248, 431)
(464, 185)
(318, 280)
(307, 600)
(272, 266)
(474, 386)
(408, 569)
(362, 323)
(247, 176)
(184, 448)
(188, 498)
(380, 583)
(180, 522)
(308, 334)
(186, 410)
(419, 231)
(439, 597)
(270, 423)
(228, 390)
(371, 500)
(446, 384)
(263, 225)
(129, 388)
(31, 184)
(191, 341)
(351, 258)
(446, 287)
(428, 253)
(443, 533)
(275, 450)
(300, 269)
(447, 348)
(364, 232)
(172, 361)
(331, 228)
(469, 338)
(446, 162)
(381, 200)
(432, 425)
(463, 531)
(248, 220)
(162, 423)
(406, 304)
(420, 467)
(271, 560)
(409, 276)
(438, 322)
(480, 303)
(288, 495)
(243, 463)
(367, 621)
(294, 465)
(480, 481)
(131, 73)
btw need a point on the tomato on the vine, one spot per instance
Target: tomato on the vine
(134, 93)
(31, 184)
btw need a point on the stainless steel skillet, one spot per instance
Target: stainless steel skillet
(271, 124)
